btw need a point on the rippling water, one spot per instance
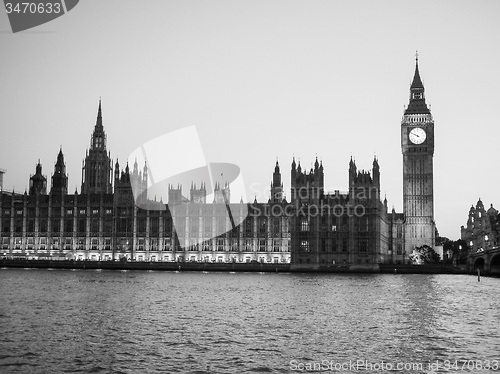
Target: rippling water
(165, 322)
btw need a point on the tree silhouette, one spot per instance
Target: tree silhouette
(424, 255)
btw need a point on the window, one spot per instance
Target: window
(262, 225)
(399, 250)
(194, 225)
(153, 243)
(56, 225)
(363, 247)
(364, 224)
(82, 226)
(81, 243)
(141, 225)
(248, 226)
(68, 225)
(107, 225)
(276, 225)
(304, 246)
(19, 225)
(262, 245)
(167, 226)
(221, 224)
(208, 226)
(276, 245)
(94, 225)
(344, 245)
(155, 226)
(67, 243)
(304, 224)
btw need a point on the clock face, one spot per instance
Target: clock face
(417, 135)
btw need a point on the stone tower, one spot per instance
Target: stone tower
(59, 178)
(307, 187)
(38, 182)
(417, 145)
(139, 183)
(277, 185)
(97, 167)
(198, 195)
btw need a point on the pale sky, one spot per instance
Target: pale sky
(261, 80)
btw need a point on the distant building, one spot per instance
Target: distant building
(482, 230)
(113, 218)
(2, 172)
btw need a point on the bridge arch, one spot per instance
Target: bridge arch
(479, 263)
(495, 264)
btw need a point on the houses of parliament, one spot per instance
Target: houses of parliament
(105, 222)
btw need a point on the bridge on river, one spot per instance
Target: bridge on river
(487, 261)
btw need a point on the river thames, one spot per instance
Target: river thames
(67, 321)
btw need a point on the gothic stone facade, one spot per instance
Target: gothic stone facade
(104, 222)
(338, 228)
(482, 231)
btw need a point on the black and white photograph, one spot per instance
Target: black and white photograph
(249, 186)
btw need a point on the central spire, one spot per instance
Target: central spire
(98, 141)
(417, 82)
(417, 103)
(97, 166)
(98, 123)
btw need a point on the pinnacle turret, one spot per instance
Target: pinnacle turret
(59, 178)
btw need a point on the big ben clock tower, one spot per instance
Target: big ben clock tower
(417, 144)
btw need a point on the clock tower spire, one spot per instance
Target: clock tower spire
(417, 103)
(417, 145)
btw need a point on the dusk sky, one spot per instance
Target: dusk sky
(261, 80)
